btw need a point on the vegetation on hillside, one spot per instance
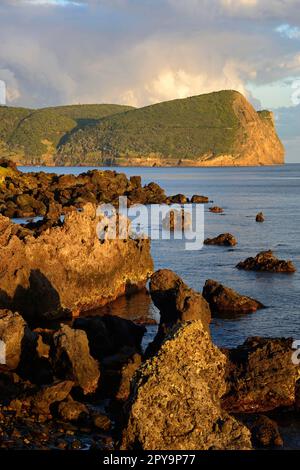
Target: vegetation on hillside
(31, 134)
(185, 128)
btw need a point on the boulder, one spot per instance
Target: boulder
(66, 267)
(260, 376)
(72, 359)
(176, 301)
(260, 217)
(225, 239)
(224, 300)
(175, 400)
(197, 199)
(126, 375)
(177, 199)
(267, 261)
(71, 410)
(50, 394)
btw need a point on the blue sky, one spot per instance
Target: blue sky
(144, 51)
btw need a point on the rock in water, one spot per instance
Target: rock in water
(222, 299)
(197, 199)
(67, 267)
(261, 376)
(216, 210)
(266, 261)
(73, 361)
(225, 239)
(175, 404)
(260, 217)
(71, 410)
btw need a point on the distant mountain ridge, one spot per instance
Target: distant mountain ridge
(215, 129)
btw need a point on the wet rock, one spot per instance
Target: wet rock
(197, 199)
(176, 301)
(175, 402)
(72, 359)
(260, 217)
(297, 402)
(109, 334)
(49, 395)
(224, 300)
(76, 272)
(216, 210)
(264, 431)
(260, 376)
(71, 410)
(267, 261)
(177, 220)
(225, 239)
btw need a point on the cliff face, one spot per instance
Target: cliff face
(67, 267)
(256, 142)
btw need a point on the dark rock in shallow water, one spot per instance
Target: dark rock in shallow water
(260, 376)
(177, 199)
(260, 217)
(266, 261)
(175, 401)
(225, 239)
(224, 300)
(72, 359)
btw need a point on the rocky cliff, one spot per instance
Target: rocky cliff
(66, 266)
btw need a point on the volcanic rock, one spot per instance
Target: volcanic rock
(260, 376)
(66, 267)
(225, 239)
(73, 361)
(175, 401)
(260, 217)
(266, 261)
(222, 299)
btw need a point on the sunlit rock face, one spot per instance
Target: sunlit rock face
(66, 267)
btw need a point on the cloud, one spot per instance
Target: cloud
(288, 31)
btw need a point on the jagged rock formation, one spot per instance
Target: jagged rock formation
(175, 402)
(66, 267)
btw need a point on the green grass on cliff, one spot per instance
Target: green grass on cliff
(35, 132)
(184, 128)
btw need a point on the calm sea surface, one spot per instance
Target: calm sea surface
(242, 192)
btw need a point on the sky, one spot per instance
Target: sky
(140, 52)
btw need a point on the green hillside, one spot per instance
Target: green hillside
(220, 128)
(31, 135)
(178, 129)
